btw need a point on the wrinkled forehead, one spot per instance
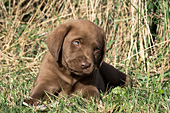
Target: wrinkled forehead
(85, 30)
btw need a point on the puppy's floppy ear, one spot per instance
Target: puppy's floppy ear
(103, 49)
(56, 38)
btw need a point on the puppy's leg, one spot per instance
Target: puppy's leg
(86, 89)
(91, 91)
(113, 76)
(37, 93)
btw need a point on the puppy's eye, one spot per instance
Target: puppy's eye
(76, 42)
(96, 49)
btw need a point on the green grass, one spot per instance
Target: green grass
(139, 99)
(138, 43)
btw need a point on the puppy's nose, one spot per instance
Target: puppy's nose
(85, 65)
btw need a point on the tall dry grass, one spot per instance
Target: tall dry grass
(25, 24)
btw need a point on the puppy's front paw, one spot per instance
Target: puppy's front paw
(91, 92)
(31, 101)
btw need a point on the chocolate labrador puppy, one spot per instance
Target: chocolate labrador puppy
(74, 63)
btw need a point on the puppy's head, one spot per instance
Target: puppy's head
(78, 45)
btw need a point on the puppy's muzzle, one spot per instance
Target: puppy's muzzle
(85, 65)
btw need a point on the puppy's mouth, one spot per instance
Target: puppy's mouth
(84, 72)
(79, 66)
(81, 72)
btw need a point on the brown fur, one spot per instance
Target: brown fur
(74, 63)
